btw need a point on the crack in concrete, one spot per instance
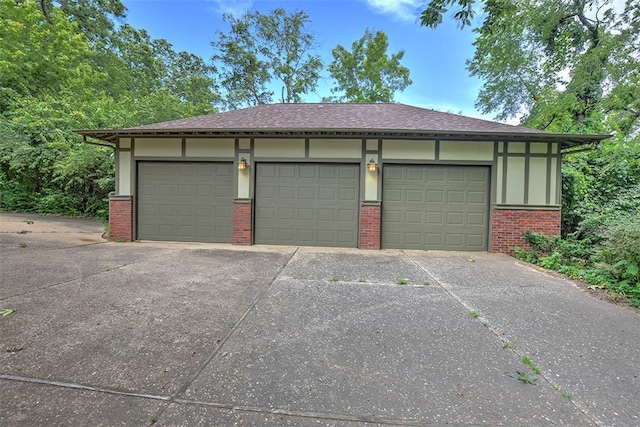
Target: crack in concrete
(224, 340)
(485, 322)
(53, 285)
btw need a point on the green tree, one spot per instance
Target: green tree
(367, 73)
(95, 18)
(261, 49)
(37, 57)
(564, 66)
(53, 80)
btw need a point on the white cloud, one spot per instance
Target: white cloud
(233, 7)
(401, 10)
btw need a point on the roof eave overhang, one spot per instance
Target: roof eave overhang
(566, 140)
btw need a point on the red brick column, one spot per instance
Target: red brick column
(370, 226)
(508, 226)
(120, 218)
(242, 222)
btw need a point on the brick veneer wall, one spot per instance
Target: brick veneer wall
(370, 227)
(242, 222)
(508, 226)
(121, 219)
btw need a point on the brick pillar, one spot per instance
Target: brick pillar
(509, 225)
(242, 222)
(120, 218)
(370, 225)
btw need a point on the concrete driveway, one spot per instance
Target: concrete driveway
(216, 335)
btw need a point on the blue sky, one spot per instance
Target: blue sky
(435, 58)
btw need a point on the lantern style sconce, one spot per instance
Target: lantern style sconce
(242, 164)
(372, 165)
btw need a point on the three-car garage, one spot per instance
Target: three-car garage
(315, 204)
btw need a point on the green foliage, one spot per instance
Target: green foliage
(432, 15)
(259, 49)
(69, 69)
(621, 253)
(522, 376)
(601, 188)
(367, 73)
(552, 262)
(527, 361)
(612, 262)
(564, 66)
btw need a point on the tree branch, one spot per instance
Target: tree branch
(528, 87)
(593, 29)
(43, 7)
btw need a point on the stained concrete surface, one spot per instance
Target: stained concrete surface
(197, 334)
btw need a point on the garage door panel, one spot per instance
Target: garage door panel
(184, 201)
(349, 173)
(415, 175)
(477, 197)
(413, 238)
(308, 172)
(475, 240)
(453, 214)
(436, 175)
(325, 194)
(434, 218)
(347, 216)
(324, 204)
(478, 219)
(435, 196)
(456, 176)
(392, 216)
(455, 218)
(349, 195)
(286, 193)
(478, 176)
(346, 236)
(414, 196)
(326, 214)
(455, 197)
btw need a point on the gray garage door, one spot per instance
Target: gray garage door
(185, 201)
(307, 204)
(435, 207)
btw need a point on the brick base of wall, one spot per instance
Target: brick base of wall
(121, 219)
(508, 226)
(370, 227)
(242, 222)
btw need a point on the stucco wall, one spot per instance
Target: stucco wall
(525, 173)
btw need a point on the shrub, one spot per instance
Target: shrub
(623, 244)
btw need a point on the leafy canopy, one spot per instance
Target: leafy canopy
(367, 73)
(261, 49)
(57, 75)
(563, 66)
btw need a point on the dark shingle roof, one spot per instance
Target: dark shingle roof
(331, 116)
(361, 120)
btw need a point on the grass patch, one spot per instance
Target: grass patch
(511, 345)
(527, 361)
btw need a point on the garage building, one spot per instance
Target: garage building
(341, 175)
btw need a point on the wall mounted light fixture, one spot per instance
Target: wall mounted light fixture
(372, 165)
(242, 164)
